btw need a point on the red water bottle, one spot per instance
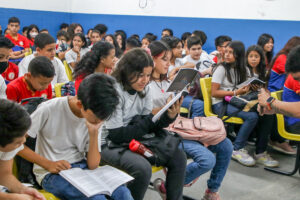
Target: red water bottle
(137, 147)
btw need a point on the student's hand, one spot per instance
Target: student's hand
(189, 65)
(175, 108)
(33, 193)
(76, 49)
(264, 111)
(22, 197)
(93, 129)
(255, 87)
(262, 97)
(207, 71)
(57, 166)
(243, 90)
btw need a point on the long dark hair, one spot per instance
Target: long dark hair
(261, 67)
(92, 59)
(119, 52)
(172, 42)
(32, 26)
(239, 64)
(264, 39)
(82, 37)
(130, 66)
(157, 48)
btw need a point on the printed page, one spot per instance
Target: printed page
(83, 182)
(252, 80)
(184, 77)
(111, 176)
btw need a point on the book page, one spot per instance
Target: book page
(79, 178)
(252, 80)
(184, 77)
(111, 176)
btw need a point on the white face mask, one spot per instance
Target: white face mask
(34, 34)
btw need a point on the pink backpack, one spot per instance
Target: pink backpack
(207, 130)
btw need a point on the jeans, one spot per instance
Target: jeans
(205, 160)
(294, 128)
(61, 188)
(197, 108)
(138, 167)
(250, 120)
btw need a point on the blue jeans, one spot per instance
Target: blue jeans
(197, 108)
(205, 160)
(61, 188)
(250, 120)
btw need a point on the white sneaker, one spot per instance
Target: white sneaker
(243, 157)
(265, 159)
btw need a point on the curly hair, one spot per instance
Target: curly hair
(91, 60)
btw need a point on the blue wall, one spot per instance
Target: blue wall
(247, 31)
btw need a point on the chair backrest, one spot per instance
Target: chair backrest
(28, 52)
(280, 121)
(68, 70)
(57, 89)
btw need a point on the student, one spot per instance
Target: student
(121, 39)
(220, 43)
(44, 31)
(24, 31)
(266, 41)
(133, 72)
(35, 83)
(64, 27)
(111, 39)
(99, 59)
(74, 28)
(62, 44)
(201, 35)
(184, 38)
(95, 37)
(266, 126)
(278, 75)
(197, 56)
(75, 142)
(33, 31)
(224, 80)
(203, 158)
(15, 122)
(8, 70)
(21, 43)
(78, 50)
(131, 43)
(45, 46)
(102, 28)
(147, 39)
(166, 32)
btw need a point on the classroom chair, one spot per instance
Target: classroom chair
(68, 70)
(289, 136)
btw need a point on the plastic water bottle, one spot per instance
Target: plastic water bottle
(137, 147)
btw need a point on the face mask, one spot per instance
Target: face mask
(3, 66)
(33, 34)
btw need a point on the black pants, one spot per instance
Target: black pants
(264, 128)
(138, 167)
(295, 128)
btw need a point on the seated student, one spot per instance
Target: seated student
(147, 39)
(24, 31)
(45, 46)
(166, 32)
(102, 28)
(132, 42)
(99, 59)
(184, 38)
(33, 31)
(266, 126)
(21, 43)
(8, 70)
(67, 132)
(35, 83)
(44, 31)
(224, 80)
(220, 43)
(121, 37)
(111, 39)
(203, 158)
(266, 42)
(133, 72)
(63, 27)
(62, 44)
(95, 37)
(78, 50)
(15, 121)
(278, 75)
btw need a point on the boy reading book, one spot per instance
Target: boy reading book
(67, 131)
(15, 121)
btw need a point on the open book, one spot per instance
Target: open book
(103, 180)
(253, 80)
(184, 77)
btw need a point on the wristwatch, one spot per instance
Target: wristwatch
(270, 100)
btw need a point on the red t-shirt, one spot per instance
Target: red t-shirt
(11, 73)
(292, 84)
(21, 41)
(279, 64)
(19, 89)
(31, 42)
(77, 82)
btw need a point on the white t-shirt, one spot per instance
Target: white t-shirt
(2, 88)
(158, 93)
(128, 107)
(71, 56)
(10, 155)
(60, 134)
(178, 63)
(60, 72)
(202, 64)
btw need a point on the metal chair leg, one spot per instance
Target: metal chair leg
(296, 166)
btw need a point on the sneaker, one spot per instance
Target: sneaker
(243, 157)
(251, 141)
(211, 195)
(283, 147)
(159, 186)
(265, 159)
